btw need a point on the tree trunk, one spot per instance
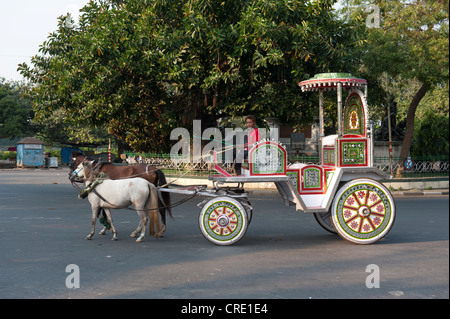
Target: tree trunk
(410, 124)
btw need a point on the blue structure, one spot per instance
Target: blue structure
(30, 152)
(66, 153)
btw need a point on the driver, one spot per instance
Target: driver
(253, 136)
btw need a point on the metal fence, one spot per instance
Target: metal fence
(431, 166)
(427, 166)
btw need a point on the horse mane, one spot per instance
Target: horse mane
(98, 164)
(93, 170)
(88, 171)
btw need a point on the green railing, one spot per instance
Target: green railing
(426, 166)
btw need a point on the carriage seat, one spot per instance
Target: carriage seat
(329, 140)
(267, 158)
(328, 149)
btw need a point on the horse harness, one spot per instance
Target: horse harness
(91, 188)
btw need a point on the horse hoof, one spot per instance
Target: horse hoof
(88, 237)
(114, 238)
(139, 240)
(133, 235)
(159, 235)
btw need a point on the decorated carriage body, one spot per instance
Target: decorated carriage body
(342, 192)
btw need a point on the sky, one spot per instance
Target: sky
(25, 25)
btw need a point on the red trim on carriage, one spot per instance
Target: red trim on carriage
(331, 83)
(253, 168)
(221, 170)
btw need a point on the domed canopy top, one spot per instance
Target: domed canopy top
(329, 81)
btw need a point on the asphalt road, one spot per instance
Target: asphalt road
(284, 254)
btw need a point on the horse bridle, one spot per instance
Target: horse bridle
(75, 172)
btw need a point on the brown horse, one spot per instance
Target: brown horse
(145, 171)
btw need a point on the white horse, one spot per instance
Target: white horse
(113, 194)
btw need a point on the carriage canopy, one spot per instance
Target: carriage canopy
(330, 81)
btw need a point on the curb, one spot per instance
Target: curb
(420, 193)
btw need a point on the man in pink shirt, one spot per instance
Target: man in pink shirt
(253, 132)
(253, 136)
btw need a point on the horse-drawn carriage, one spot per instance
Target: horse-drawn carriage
(343, 192)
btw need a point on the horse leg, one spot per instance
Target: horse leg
(142, 225)
(162, 212)
(142, 211)
(137, 231)
(110, 221)
(95, 211)
(103, 231)
(164, 197)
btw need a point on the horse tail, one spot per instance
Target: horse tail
(152, 202)
(161, 181)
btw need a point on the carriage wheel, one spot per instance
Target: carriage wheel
(324, 220)
(363, 211)
(223, 220)
(249, 211)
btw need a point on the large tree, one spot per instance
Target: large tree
(410, 42)
(145, 67)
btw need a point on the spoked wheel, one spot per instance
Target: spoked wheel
(248, 210)
(324, 220)
(363, 211)
(223, 220)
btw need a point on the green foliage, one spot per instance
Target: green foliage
(17, 120)
(142, 68)
(431, 138)
(436, 101)
(15, 113)
(55, 130)
(8, 155)
(411, 45)
(412, 40)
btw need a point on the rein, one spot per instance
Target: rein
(91, 188)
(157, 208)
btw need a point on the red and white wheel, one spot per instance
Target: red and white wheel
(223, 220)
(363, 211)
